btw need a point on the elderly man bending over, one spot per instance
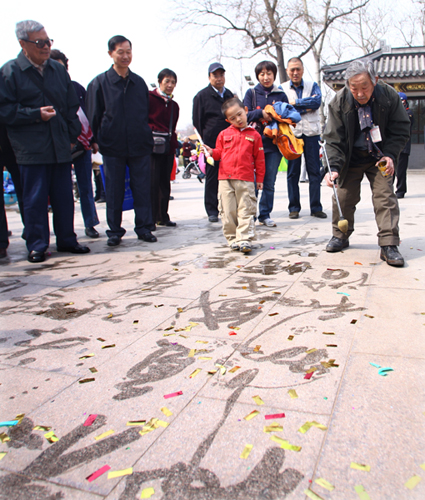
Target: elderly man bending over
(367, 124)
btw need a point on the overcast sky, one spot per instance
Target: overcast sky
(81, 30)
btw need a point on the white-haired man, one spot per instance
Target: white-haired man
(367, 124)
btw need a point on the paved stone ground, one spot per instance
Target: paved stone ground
(288, 329)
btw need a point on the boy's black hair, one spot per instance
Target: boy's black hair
(116, 40)
(166, 72)
(229, 103)
(57, 55)
(267, 65)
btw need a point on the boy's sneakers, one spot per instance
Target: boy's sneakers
(245, 247)
(268, 222)
(234, 246)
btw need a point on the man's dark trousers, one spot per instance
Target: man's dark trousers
(211, 189)
(39, 183)
(401, 174)
(312, 163)
(140, 184)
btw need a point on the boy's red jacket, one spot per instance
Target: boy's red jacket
(241, 154)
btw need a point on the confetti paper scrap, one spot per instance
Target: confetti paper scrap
(120, 473)
(168, 329)
(276, 293)
(136, 322)
(274, 427)
(257, 348)
(3, 454)
(4, 437)
(308, 376)
(232, 333)
(246, 451)
(293, 393)
(166, 411)
(85, 380)
(234, 327)
(104, 435)
(107, 346)
(258, 400)
(353, 322)
(369, 316)
(109, 315)
(384, 371)
(328, 333)
(160, 305)
(324, 484)
(375, 365)
(357, 263)
(87, 356)
(312, 369)
(149, 427)
(412, 482)
(136, 422)
(201, 342)
(304, 428)
(195, 372)
(98, 473)
(331, 345)
(234, 369)
(93, 369)
(168, 334)
(355, 465)
(275, 415)
(343, 293)
(179, 309)
(19, 417)
(212, 372)
(51, 437)
(285, 444)
(147, 493)
(90, 419)
(422, 466)
(8, 423)
(312, 495)
(43, 428)
(291, 337)
(205, 358)
(359, 489)
(223, 369)
(191, 353)
(273, 314)
(173, 394)
(252, 415)
(311, 350)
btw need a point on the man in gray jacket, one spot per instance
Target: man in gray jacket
(38, 105)
(367, 125)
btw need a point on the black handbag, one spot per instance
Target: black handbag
(161, 140)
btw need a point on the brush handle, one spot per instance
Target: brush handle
(323, 144)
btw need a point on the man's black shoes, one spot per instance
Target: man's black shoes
(35, 256)
(213, 218)
(77, 249)
(113, 241)
(392, 256)
(336, 244)
(91, 232)
(148, 237)
(319, 215)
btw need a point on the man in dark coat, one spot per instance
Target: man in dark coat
(39, 107)
(403, 161)
(117, 108)
(210, 121)
(367, 126)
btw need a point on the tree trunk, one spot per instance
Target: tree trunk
(281, 64)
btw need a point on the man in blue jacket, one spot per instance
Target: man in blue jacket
(117, 108)
(38, 105)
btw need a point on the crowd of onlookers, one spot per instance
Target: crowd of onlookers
(49, 123)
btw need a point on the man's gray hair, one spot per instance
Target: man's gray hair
(23, 28)
(358, 68)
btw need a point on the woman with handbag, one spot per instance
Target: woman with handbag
(163, 116)
(256, 99)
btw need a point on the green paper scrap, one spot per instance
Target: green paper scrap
(375, 365)
(147, 493)
(355, 465)
(324, 484)
(359, 489)
(412, 482)
(384, 371)
(312, 495)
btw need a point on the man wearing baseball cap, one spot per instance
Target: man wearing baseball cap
(209, 121)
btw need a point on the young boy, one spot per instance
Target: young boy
(240, 151)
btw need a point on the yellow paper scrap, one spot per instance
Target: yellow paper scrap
(212, 372)
(422, 466)
(293, 393)
(109, 315)
(166, 411)
(359, 489)
(304, 428)
(274, 427)
(87, 356)
(412, 482)
(258, 400)
(312, 495)
(19, 417)
(168, 334)
(3, 454)
(93, 369)
(311, 350)
(4, 437)
(149, 427)
(257, 348)
(161, 423)
(119, 473)
(104, 435)
(136, 422)
(201, 342)
(43, 428)
(195, 372)
(252, 415)
(50, 436)
(324, 484)
(179, 309)
(205, 358)
(234, 369)
(355, 465)
(246, 451)
(285, 444)
(147, 493)
(319, 426)
(311, 370)
(191, 353)
(222, 368)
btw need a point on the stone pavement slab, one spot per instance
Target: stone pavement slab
(197, 345)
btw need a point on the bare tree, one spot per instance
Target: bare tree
(412, 27)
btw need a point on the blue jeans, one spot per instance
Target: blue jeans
(267, 197)
(312, 163)
(83, 172)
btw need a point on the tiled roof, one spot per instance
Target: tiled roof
(399, 63)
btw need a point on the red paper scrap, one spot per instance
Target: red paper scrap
(232, 333)
(276, 415)
(308, 375)
(90, 420)
(173, 394)
(98, 473)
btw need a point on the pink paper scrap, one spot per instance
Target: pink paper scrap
(308, 375)
(173, 394)
(276, 415)
(98, 473)
(90, 420)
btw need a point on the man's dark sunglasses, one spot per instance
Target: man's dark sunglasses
(41, 43)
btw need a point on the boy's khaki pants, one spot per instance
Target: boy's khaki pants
(237, 205)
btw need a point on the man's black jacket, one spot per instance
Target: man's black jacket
(118, 109)
(207, 116)
(34, 141)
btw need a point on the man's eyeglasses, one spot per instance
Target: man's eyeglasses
(41, 43)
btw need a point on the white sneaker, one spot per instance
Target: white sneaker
(234, 246)
(268, 222)
(245, 247)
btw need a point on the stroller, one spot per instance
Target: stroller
(193, 167)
